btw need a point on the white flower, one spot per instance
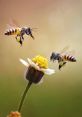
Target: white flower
(37, 67)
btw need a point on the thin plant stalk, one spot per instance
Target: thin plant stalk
(24, 95)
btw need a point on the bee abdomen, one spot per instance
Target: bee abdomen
(69, 58)
(11, 32)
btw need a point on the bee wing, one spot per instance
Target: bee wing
(64, 49)
(72, 52)
(12, 24)
(34, 29)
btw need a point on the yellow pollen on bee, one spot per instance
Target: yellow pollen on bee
(18, 39)
(41, 61)
(18, 32)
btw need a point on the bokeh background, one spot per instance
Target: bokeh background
(59, 24)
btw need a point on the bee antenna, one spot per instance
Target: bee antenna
(34, 29)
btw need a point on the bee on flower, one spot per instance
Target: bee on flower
(36, 69)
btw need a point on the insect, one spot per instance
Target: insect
(62, 57)
(19, 32)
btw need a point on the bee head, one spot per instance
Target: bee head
(29, 32)
(54, 56)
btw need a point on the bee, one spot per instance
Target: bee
(19, 32)
(62, 58)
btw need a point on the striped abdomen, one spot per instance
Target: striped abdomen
(69, 58)
(13, 32)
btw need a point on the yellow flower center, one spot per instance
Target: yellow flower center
(41, 61)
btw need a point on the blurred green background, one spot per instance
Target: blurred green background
(58, 23)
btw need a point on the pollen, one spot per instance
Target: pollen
(41, 61)
(18, 39)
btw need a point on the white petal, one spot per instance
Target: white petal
(48, 71)
(24, 62)
(33, 64)
(29, 61)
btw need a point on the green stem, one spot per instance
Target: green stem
(24, 94)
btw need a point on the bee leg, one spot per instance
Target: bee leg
(16, 37)
(60, 67)
(64, 63)
(22, 37)
(31, 35)
(21, 41)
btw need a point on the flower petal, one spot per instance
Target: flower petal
(33, 64)
(24, 62)
(29, 61)
(48, 71)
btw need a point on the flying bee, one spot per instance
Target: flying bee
(62, 58)
(19, 32)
